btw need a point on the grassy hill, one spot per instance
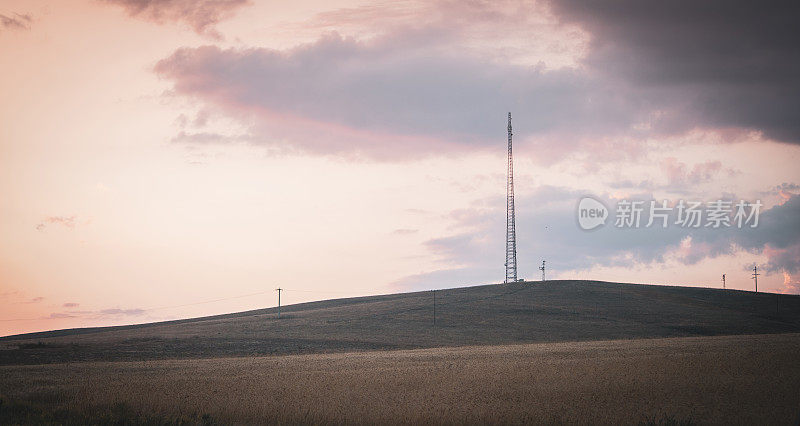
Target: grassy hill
(532, 312)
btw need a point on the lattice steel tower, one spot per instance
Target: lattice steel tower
(511, 233)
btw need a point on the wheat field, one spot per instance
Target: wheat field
(696, 380)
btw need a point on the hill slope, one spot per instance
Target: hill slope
(553, 311)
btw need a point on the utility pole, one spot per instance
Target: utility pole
(755, 276)
(541, 268)
(511, 232)
(279, 301)
(723, 281)
(434, 307)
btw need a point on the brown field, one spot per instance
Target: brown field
(705, 380)
(582, 352)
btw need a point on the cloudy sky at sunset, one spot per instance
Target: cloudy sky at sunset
(163, 159)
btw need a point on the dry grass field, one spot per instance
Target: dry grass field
(696, 380)
(576, 352)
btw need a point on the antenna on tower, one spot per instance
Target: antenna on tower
(541, 268)
(755, 276)
(723, 281)
(511, 233)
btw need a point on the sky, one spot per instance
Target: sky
(164, 159)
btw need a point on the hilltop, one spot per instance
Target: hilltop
(527, 312)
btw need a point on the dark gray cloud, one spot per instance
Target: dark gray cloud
(654, 68)
(784, 260)
(713, 63)
(786, 186)
(547, 229)
(399, 88)
(200, 15)
(15, 21)
(777, 235)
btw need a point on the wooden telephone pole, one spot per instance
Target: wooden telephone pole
(279, 301)
(434, 307)
(755, 276)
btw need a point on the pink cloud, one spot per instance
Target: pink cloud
(65, 221)
(417, 85)
(791, 284)
(200, 15)
(679, 174)
(690, 252)
(390, 98)
(786, 191)
(404, 231)
(16, 22)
